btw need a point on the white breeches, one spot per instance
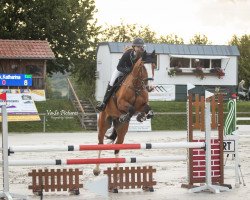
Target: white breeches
(114, 76)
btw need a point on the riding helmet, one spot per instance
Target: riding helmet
(139, 42)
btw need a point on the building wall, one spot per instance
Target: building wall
(230, 78)
(35, 67)
(107, 63)
(103, 71)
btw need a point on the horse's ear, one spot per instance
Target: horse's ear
(144, 55)
(153, 54)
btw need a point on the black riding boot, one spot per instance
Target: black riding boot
(100, 107)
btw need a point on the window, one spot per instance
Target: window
(157, 62)
(216, 63)
(204, 63)
(34, 70)
(180, 62)
(184, 61)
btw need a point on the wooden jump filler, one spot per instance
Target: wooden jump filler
(55, 180)
(130, 177)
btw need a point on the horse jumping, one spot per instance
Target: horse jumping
(130, 99)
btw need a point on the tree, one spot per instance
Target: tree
(199, 39)
(243, 44)
(68, 25)
(171, 39)
(127, 32)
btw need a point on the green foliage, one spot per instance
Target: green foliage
(243, 44)
(58, 85)
(199, 39)
(127, 32)
(83, 89)
(68, 25)
(171, 39)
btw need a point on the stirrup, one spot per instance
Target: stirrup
(100, 107)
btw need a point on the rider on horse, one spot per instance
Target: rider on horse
(124, 67)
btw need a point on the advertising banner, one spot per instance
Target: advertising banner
(163, 93)
(20, 107)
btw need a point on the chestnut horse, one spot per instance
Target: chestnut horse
(130, 99)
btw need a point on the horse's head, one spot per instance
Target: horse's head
(144, 68)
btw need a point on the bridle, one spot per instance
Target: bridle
(138, 82)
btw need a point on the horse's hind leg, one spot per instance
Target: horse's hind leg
(122, 129)
(103, 125)
(113, 136)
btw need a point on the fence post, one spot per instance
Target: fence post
(44, 123)
(5, 154)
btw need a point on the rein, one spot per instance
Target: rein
(138, 82)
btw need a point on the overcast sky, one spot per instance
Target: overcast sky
(217, 19)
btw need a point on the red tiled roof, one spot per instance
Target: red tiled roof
(25, 49)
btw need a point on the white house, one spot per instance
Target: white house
(170, 57)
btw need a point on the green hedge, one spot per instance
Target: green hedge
(160, 121)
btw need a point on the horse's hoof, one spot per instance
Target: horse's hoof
(124, 119)
(139, 118)
(150, 114)
(96, 172)
(110, 141)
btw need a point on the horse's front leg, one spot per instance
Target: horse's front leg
(124, 118)
(149, 112)
(96, 170)
(146, 114)
(104, 124)
(141, 117)
(122, 129)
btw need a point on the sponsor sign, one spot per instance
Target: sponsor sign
(20, 107)
(163, 93)
(229, 146)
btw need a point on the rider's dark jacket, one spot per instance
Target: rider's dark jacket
(127, 61)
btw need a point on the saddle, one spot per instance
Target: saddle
(118, 83)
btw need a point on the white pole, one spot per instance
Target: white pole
(178, 145)
(237, 162)
(5, 193)
(46, 148)
(32, 162)
(208, 143)
(158, 159)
